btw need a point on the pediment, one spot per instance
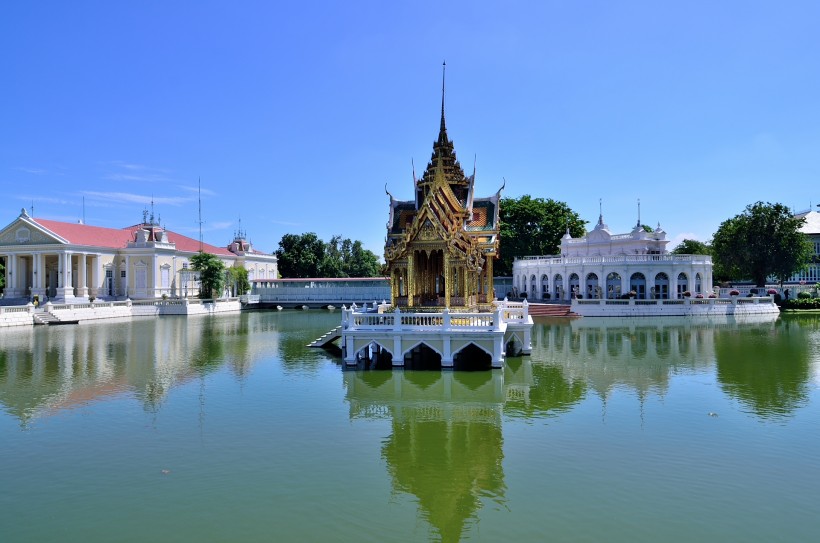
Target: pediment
(22, 232)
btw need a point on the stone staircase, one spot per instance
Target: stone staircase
(45, 318)
(325, 340)
(551, 310)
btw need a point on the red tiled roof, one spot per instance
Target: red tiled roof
(118, 238)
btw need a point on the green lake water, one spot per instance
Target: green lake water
(228, 428)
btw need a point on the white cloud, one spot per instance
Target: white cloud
(46, 200)
(33, 171)
(129, 198)
(196, 190)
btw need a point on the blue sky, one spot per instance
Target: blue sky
(295, 115)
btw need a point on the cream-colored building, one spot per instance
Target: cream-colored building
(65, 261)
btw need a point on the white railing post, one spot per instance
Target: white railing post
(497, 319)
(397, 322)
(446, 318)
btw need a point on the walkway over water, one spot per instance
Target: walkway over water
(321, 292)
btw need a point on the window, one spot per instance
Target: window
(122, 274)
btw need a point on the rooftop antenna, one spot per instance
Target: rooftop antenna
(639, 213)
(32, 208)
(83, 209)
(199, 200)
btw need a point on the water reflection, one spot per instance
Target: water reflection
(446, 444)
(768, 370)
(766, 364)
(44, 370)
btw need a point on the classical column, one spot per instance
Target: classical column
(64, 288)
(95, 275)
(127, 276)
(11, 275)
(38, 276)
(82, 286)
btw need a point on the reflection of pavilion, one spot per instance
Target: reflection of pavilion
(446, 444)
(45, 370)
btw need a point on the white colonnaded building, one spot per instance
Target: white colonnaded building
(62, 261)
(602, 265)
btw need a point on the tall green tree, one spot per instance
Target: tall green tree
(533, 226)
(306, 255)
(211, 274)
(238, 277)
(2, 275)
(765, 240)
(692, 247)
(300, 255)
(362, 262)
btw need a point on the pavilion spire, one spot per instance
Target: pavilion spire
(442, 133)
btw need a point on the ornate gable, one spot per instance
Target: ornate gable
(24, 231)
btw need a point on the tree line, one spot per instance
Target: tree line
(305, 255)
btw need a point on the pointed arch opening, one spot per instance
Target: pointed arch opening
(472, 358)
(422, 357)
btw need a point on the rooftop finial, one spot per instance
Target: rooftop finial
(639, 214)
(442, 130)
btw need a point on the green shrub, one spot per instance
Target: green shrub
(802, 303)
(803, 295)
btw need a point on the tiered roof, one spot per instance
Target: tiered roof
(444, 201)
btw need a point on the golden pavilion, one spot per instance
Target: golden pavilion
(441, 245)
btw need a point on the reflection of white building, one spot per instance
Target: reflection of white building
(606, 266)
(63, 261)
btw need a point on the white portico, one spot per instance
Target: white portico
(55, 260)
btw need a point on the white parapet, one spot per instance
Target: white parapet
(737, 306)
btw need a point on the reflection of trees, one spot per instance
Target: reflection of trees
(766, 368)
(538, 389)
(446, 444)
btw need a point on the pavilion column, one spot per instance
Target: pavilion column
(446, 279)
(411, 288)
(490, 285)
